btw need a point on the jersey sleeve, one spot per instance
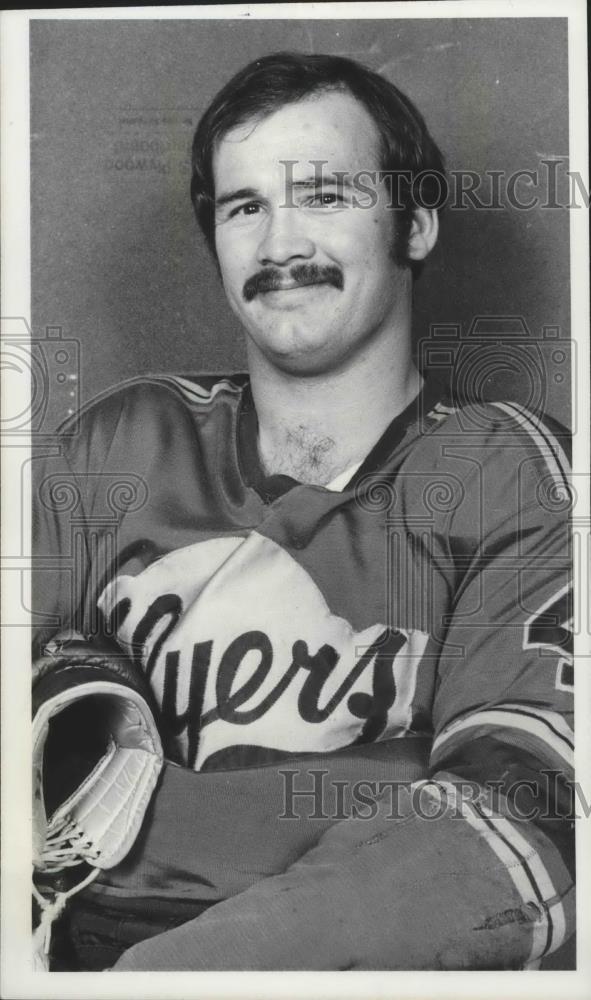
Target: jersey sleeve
(59, 503)
(503, 713)
(464, 873)
(66, 486)
(507, 666)
(93, 474)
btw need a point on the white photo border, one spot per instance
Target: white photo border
(17, 978)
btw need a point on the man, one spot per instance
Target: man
(331, 577)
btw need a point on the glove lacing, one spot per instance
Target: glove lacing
(65, 846)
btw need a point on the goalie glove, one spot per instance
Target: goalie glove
(91, 705)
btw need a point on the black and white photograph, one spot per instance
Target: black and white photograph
(295, 444)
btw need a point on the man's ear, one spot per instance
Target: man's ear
(423, 233)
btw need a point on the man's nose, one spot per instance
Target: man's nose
(284, 238)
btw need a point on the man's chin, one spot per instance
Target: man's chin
(303, 360)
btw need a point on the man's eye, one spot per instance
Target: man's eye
(325, 199)
(250, 208)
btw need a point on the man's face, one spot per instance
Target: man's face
(311, 277)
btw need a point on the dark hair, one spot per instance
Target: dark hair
(267, 84)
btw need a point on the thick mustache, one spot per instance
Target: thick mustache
(271, 279)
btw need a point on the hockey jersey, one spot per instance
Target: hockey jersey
(416, 610)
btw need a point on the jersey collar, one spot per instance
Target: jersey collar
(270, 488)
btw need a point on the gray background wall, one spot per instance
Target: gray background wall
(118, 263)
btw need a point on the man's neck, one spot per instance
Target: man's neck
(314, 428)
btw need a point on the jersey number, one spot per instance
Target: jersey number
(551, 628)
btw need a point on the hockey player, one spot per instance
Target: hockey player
(344, 596)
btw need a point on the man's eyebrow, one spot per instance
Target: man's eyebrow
(239, 195)
(318, 181)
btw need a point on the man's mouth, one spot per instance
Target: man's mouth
(288, 286)
(298, 276)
